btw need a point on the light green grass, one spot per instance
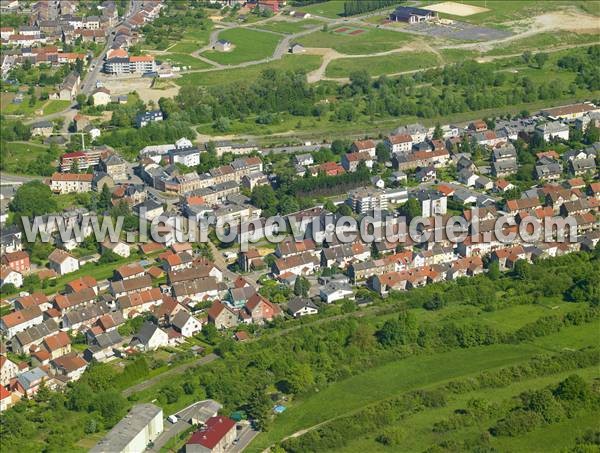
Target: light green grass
(185, 60)
(21, 154)
(219, 77)
(55, 106)
(387, 381)
(387, 64)
(289, 27)
(544, 41)
(250, 45)
(419, 435)
(332, 9)
(185, 47)
(457, 55)
(501, 11)
(370, 41)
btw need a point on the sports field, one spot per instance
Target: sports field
(368, 40)
(249, 45)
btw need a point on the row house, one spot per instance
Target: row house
(367, 146)
(20, 320)
(303, 264)
(344, 254)
(420, 159)
(73, 301)
(198, 290)
(121, 288)
(82, 318)
(139, 302)
(291, 247)
(23, 342)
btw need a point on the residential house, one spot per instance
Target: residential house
(218, 434)
(299, 307)
(399, 144)
(199, 290)
(101, 96)
(63, 183)
(260, 309)
(222, 316)
(20, 320)
(9, 276)
(186, 324)
(42, 128)
(360, 146)
(115, 167)
(69, 88)
(8, 370)
(119, 248)
(334, 291)
(70, 365)
(150, 337)
(28, 383)
(120, 288)
(350, 161)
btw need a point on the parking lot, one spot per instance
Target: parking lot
(459, 30)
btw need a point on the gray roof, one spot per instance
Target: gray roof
(298, 304)
(29, 378)
(332, 287)
(83, 314)
(107, 339)
(180, 319)
(118, 438)
(36, 333)
(146, 332)
(42, 124)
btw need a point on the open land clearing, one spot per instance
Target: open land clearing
(457, 9)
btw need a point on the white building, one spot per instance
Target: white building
(10, 276)
(142, 425)
(62, 262)
(71, 182)
(400, 143)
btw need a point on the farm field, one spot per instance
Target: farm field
(387, 64)
(212, 78)
(288, 27)
(371, 40)
(249, 45)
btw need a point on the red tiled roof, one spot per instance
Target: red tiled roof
(215, 429)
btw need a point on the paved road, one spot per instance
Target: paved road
(7, 179)
(173, 371)
(245, 436)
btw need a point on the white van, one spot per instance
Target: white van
(172, 418)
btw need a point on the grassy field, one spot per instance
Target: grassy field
(249, 45)
(370, 41)
(543, 41)
(21, 154)
(418, 434)
(513, 10)
(387, 381)
(55, 106)
(332, 9)
(212, 78)
(288, 27)
(387, 64)
(183, 59)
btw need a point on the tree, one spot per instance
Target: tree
(33, 199)
(411, 209)
(301, 286)
(223, 124)
(527, 56)
(438, 133)
(592, 134)
(398, 331)
(265, 198)
(540, 59)
(383, 152)
(258, 409)
(494, 270)
(573, 388)
(104, 201)
(344, 210)
(81, 100)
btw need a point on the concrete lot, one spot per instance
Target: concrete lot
(459, 30)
